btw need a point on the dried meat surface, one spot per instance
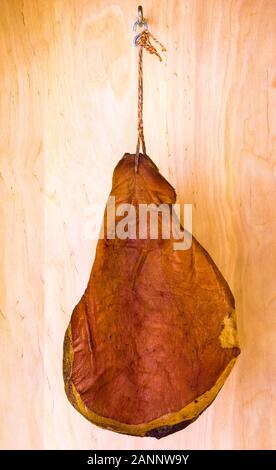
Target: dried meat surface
(153, 337)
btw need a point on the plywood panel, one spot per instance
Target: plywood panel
(68, 113)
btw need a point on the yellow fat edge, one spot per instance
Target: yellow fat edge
(189, 413)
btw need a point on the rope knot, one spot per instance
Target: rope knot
(143, 40)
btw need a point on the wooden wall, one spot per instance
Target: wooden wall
(68, 113)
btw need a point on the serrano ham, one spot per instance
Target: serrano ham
(153, 338)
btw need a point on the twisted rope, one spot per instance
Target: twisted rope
(143, 41)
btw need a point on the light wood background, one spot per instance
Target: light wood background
(68, 113)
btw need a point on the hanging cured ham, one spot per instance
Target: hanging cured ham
(153, 338)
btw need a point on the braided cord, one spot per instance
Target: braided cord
(143, 41)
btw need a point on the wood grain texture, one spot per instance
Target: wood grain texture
(68, 113)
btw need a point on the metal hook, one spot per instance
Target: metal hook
(141, 22)
(140, 15)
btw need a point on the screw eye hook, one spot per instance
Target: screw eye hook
(141, 22)
(140, 15)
